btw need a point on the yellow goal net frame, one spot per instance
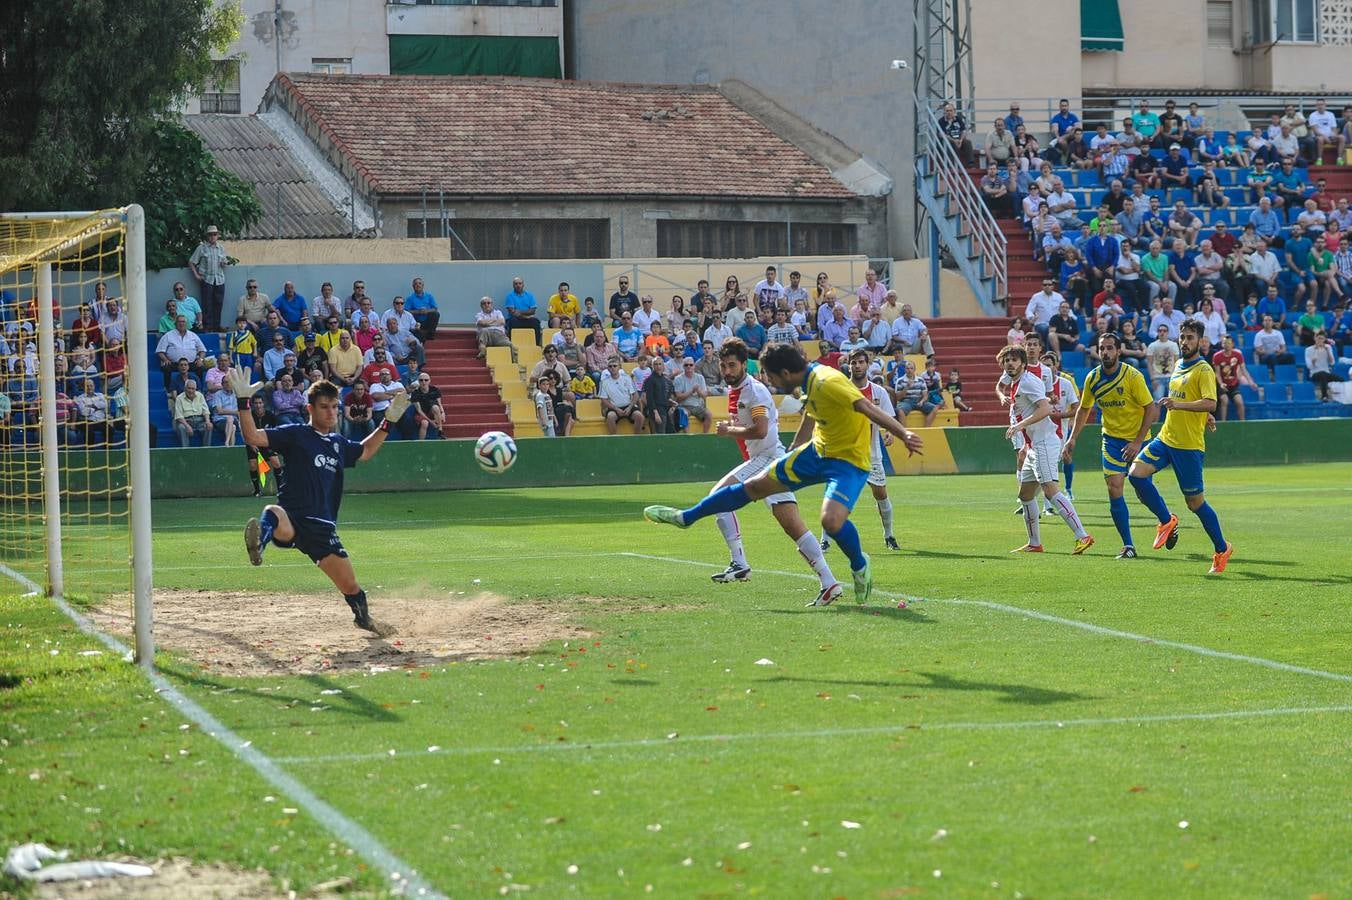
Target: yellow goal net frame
(75, 516)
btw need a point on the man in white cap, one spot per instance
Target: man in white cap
(208, 264)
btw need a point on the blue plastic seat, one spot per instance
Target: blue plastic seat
(1303, 392)
(1073, 359)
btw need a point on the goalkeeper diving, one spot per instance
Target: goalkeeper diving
(310, 484)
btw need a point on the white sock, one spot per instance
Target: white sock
(1066, 510)
(1030, 521)
(885, 511)
(812, 552)
(732, 534)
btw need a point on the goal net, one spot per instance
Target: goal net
(74, 423)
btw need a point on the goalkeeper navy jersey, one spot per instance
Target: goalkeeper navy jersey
(310, 483)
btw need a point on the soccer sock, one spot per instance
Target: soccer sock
(253, 477)
(1121, 518)
(847, 539)
(727, 499)
(1030, 522)
(356, 602)
(266, 524)
(811, 551)
(1069, 469)
(1212, 524)
(732, 534)
(1150, 496)
(885, 511)
(1066, 510)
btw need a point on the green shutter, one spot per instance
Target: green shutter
(433, 54)
(1100, 25)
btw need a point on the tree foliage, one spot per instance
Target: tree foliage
(183, 190)
(84, 85)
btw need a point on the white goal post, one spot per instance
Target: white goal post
(87, 481)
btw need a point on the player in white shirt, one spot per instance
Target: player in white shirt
(860, 371)
(1031, 410)
(1032, 344)
(1065, 400)
(754, 425)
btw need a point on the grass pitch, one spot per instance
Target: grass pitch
(1090, 728)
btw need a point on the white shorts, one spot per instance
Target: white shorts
(755, 466)
(1039, 462)
(877, 475)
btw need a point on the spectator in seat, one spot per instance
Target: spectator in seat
(92, 410)
(224, 409)
(325, 305)
(1213, 323)
(1205, 147)
(1343, 260)
(291, 306)
(1042, 306)
(274, 359)
(82, 365)
(717, 332)
(769, 290)
(180, 344)
(366, 316)
(659, 401)
(912, 393)
(1014, 119)
(1065, 330)
(753, 334)
(216, 377)
(596, 354)
(550, 363)
(954, 387)
(1032, 203)
(872, 290)
(562, 403)
(645, 316)
(583, 385)
(1285, 145)
(1325, 128)
(423, 307)
(1319, 360)
(910, 335)
(1131, 224)
(112, 322)
(1173, 169)
(570, 352)
(1310, 325)
(490, 326)
(1026, 150)
(288, 401)
(619, 397)
(1162, 355)
(954, 128)
(563, 303)
(1055, 245)
(345, 362)
(1233, 154)
(398, 311)
(1142, 170)
(170, 316)
(1167, 316)
(253, 305)
(1272, 306)
(1290, 190)
(1342, 330)
(380, 362)
(1208, 191)
(1312, 219)
(995, 191)
(87, 325)
(1101, 254)
(1263, 270)
(1182, 274)
(272, 327)
(357, 412)
(1183, 224)
(187, 306)
(208, 263)
(1063, 122)
(298, 338)
(628, 339)
(691, 392)
(1297, 277)
(1115, 198)
(427, 408)
(114, 364)
(191, 416)
(333, 330)
(1323, 267)
(1061, 204)
(999, 150)
(404, 347)
(837, 331)
(521, 309)
(624, 300)
(382, 392)
(708, 366)
(1269, 348)
(242, 346)
(311, 356)
(781, 332)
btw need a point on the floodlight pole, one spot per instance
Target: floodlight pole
(138, 435)
(51, 468)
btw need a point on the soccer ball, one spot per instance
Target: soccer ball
(495, 451)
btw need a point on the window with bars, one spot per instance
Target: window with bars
(1220, 23)
(222, 93)
(740, 240)
(520, 238)
(331, 65)
(1284, 21)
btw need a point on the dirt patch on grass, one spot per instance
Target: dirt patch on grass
(245, 633)
(178, 878)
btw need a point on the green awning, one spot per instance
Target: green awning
(1100, 25)
(438, 54)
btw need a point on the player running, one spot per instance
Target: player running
(1065, 400)
(836, 418)
(1031, 411)
(1182, 444)
(1032, 345)
(310, 485)
(755, 427)
(1123, 395)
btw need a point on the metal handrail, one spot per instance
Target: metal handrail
(936, 156)
(1111, 108)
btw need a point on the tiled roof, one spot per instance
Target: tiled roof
(293, 205)
(526, 136)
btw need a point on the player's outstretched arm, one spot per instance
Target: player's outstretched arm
(914, 442)
(393, 413)
(251, 434)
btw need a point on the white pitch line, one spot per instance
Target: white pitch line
(405, 878)
(1058, 620)
(582, 747)
(310, 565)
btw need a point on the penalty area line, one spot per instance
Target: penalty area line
(406, 879)
(1056, 620)
(826, 733)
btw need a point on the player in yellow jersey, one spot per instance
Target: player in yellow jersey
(1121, 392)
(1182, 444)
(838, 419)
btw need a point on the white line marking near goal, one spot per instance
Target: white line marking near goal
(405, 879)
(1057, 620)
(828, 733)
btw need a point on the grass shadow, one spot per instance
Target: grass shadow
(343, 702)
(910, 614)
(1022, 694)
